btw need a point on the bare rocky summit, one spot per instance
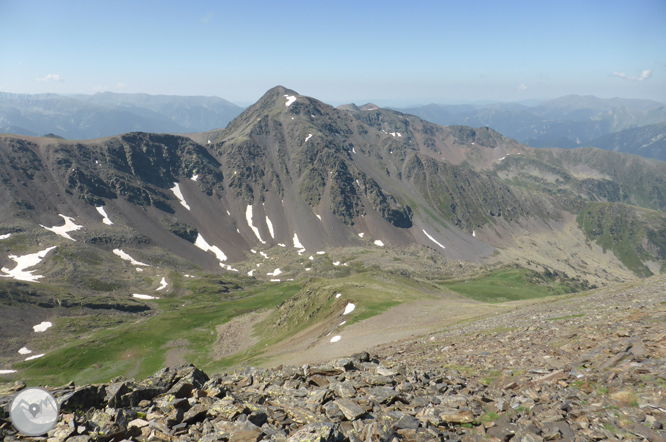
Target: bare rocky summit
(581, 367)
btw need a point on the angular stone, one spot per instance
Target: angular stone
(349, 408)
(195, 414)
(457, 416)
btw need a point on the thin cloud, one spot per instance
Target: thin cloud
(644, 75)
(121, 85)
(522, 87)
(50, 77)
(206, 18)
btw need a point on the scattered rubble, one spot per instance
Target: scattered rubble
(580, 368)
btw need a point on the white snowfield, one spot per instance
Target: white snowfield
(176, 191)
(5, 236)
(139, 296)
(25, 262)
(163, 285)
(379, 243)
(290, 100)
(24, 351)
(433, 239)
(309, 136)
(7, 371)
(34, 357)
(335, 338)
(203, 245)
(126, 257)
(270, 227)
(64, 230)
(42, 327)
(350, 308)
(248, 217)
(274, 272)
(297, 243)
(102, 212)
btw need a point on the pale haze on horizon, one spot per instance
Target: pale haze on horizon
(392, 53)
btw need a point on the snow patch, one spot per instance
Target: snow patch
(307, 269)
(253, 251)
(176, 191)
(25, 262)
(270, 227)
(163, 285)
(336, 263)
(335, 338)
(353, 150)
(102, 212)
(24, 351)
(290, 100)
(274, 272)
(264, 255)
(338, 295)
(433, 239)
(63, 230)
(298, 245)
(361, 234)
(343, 322)
(203, 245)
(309, 136)
(228, 213)
(350, 308)
(318, 216)
(138, 296)
(208, 141)
(126, 257)
(275, 280)
(195, 177)
(42, 327)
(311, 258)
(282, 245)
(34, 357)
(138, 269)
(502, 158)
(7, 371)
(320, 252)
(379, 243)
(473, 232)
(5, 236)
(250, 272)
(248, 217)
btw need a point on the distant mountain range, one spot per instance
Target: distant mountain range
(570, 121)
(105, 114)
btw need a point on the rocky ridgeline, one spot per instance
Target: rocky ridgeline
(581, 368)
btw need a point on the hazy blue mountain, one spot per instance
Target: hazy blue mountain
(647, 141)
(101, 115)
(569, 121)
(195, 113)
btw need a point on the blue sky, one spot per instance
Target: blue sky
(389, 52)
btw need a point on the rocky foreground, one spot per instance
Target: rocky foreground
(580, 368)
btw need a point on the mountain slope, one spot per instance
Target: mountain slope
(106, 114)
(647, 141)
